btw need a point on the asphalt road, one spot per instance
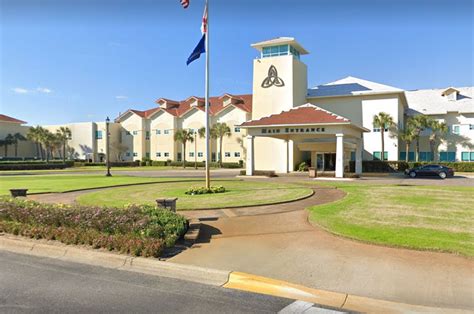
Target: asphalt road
(42, 285)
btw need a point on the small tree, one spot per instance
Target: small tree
(438, 129)
(183, 136)
(17, 137)
(49, 141)
(8, 140)
(33, 135)
(218, 131)
(63, 134)
(417, 124)
(119, 149)
(407, 135)
(383, 121)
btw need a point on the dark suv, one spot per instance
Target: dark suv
(430, 171)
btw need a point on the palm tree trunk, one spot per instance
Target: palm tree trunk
(184, 155)
(37, 149)
(417, 149)
(407, 150)
(16, 149)
(64, 152)
(41, 151)
(220, 152)
(6, 150)
(432, 147)
(382, 131)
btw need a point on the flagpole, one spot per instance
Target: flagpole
(206, 99)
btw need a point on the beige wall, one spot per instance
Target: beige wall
(133, 135)
(162, 143)
(82, 140)
(25, 148)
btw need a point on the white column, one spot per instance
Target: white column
(250, 156)
(339, 155)
(287, 144)
(358, 157)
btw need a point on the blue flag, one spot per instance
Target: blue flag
(200, 48)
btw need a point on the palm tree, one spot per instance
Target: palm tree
(407, 135)
(17, 137)
(34, 136)
(383, 121)
(63, 134)
(417, 124)
(8, 140)
(183, 136)
(438, 129)
(48, 139)
(218, 131)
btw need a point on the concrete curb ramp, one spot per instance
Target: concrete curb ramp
(226, 279)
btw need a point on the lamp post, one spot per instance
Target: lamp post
(107, 153)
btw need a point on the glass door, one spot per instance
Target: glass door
(320, 162)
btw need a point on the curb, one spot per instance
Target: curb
(83, 255)
(194, 229)
(208, 276)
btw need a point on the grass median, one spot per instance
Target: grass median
(437, 218)
(63, 183)
(238, 193)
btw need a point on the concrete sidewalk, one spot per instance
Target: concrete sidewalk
(285, 246)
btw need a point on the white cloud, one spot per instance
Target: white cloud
(121, 97)
(20, 90)
(44, 90)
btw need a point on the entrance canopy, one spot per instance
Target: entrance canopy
(308, 124)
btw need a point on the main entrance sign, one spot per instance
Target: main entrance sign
(272, 79)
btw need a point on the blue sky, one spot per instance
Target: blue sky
(70, 61)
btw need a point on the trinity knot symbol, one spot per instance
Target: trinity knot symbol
(272, 78)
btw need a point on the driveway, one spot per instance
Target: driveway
(284, 245)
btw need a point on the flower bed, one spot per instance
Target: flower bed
(138, 230)
(202, 190)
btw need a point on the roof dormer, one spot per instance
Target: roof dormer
(167, 103)
(195, 101)
(228, 99)
(450, 93)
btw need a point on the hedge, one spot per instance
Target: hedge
(112, 164)
(35, 166)
(136, 230)
(266, 173)
(201, 164)
(400, 166)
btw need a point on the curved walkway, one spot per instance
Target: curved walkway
(286, 246)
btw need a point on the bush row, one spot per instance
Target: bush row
(38, 166)
(266, 173)
(139, 230)
(400, 166)
(34, 162)
(198, 190)
(200, 164)
(112, 164)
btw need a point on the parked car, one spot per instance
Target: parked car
(430, 171)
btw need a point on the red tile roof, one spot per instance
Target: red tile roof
(178, 108)
(5, 118)
(305, 114)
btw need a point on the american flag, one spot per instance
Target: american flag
(185, 3)
(204, 21)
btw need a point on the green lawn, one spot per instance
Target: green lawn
(62, 183)
(420, 217)
(239, 193)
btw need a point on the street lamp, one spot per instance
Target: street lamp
(107, 138)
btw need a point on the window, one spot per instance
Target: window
(456, 129)
(135, 132)
(213, 157)
(179, 157)
(158, 132)
(147, 155)
(166, 154)
(274, 51)
(98, 135)
(447, 156)
(425, 156)
(166, 132)
(158, 154)
(135, 154)
(471, 126)
(237, 129)
(237, 154)
(227, 154)
(378, 155)
(200, 154)
(353, 156)
(127, 154)
(147, 135)
(127, 133)
(264, 131)
(467, 156)
(191, 154)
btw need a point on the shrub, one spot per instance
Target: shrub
(159, 163)
(303, 166)
(400, 166)
(112, 164)
(265, 173)
(138, 230)
(202, 190)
